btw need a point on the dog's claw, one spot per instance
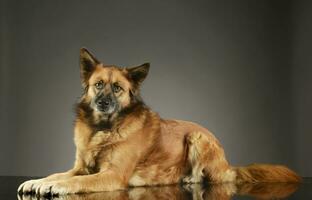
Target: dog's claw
(26, 187)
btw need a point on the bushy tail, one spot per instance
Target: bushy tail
(266, 173)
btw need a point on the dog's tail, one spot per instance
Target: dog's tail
(266, 173)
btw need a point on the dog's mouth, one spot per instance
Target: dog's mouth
(106, 105)
(106, 110)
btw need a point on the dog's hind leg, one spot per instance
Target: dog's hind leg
(207, 160)
(194, 157)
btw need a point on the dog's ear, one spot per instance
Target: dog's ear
(87, 65)
(139, 73)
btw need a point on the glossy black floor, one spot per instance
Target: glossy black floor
(9, 185)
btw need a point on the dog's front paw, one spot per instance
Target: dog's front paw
(54, 188)
(27, 187)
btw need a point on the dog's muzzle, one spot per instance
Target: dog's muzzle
(105, 104)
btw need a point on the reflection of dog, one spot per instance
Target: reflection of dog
(198, 192)
(121, 142)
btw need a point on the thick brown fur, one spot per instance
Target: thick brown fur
(127, 144)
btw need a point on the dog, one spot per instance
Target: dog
(121, 142)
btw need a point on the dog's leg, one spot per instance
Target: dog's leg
(108, 180)
(194, 158)
(31, 186)
(207, 159)
(113, 175)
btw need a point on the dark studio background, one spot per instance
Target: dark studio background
(240, 68)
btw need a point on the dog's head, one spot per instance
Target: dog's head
(109, 90)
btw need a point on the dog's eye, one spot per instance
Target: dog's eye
(99, 85)
(116, 88)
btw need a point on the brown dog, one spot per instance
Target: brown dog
(120, 142)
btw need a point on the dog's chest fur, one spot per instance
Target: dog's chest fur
(96, 150)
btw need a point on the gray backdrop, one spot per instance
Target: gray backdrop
(240, 68)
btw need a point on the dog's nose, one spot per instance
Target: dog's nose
(104, 102)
